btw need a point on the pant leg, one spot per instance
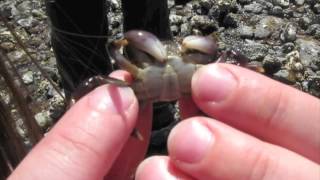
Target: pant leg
(79, 31)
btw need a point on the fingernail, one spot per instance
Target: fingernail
(111, 98)
(213, 83)
(192, 141)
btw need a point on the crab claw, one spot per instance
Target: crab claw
(146, 42)
(198, 49)
(204, 44)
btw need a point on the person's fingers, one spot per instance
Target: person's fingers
(260, 106)
(134, 150)
(208, 149)
(87, 139)
(159, 168)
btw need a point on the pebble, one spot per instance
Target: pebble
(288, 47)
(309, 51)
(314, 85)
(314, 30)
(299, 2)
(271, 64)
(185, 29)
(175, 19)
(267, 26)
(254, 8)
(305, 22)
(7, 46)
(43, 119)
(27, 77)
(204, 23)
(285, 76)
(231, 20)
(277, 11)
(246, 31)
(316, 8)
(282, 3)
(289, 34)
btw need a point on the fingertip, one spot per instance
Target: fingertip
(159, 168)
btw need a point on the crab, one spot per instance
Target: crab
(162, 71)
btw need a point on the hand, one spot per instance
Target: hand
(266, 130)
(87, 141)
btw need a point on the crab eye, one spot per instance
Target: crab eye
(203, 44)
(146, 42)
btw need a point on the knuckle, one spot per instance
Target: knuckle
(262, 164)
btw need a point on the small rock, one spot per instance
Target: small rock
(43, 119)
(244, 1)
(254, 8)
(204, 23)
(231, 20)
(267, 26)
(314, 30)
(285, 76)
(299, 2)
(26, 22)
(289, 34)
(175, 19)
(305, 22)
(245, 31)
(314, 85)
(282, 3)
(309, 51)
(271, 64)
(288, 47)
(174, 30)
(316, 8)
(27, 77)
(298, 67)
(185, 29)
(277, 11)
(8, 46)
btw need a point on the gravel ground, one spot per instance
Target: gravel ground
(282, 35)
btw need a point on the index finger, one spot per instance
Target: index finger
(260, 106)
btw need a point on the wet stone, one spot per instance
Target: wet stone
(305, 22)
(7, 46)
(285, 76)
(231, 20)
(246, 31)
(277, 11)
(288, 47)
(299, 2)
(282, 3)
(244, 1)
(185, 29)
(289, 34)
(27, 77)
(314, 85)
(316, 8)
(175, 19)
(314, 30)
(43, 119)
(253, 8)
(309, 52)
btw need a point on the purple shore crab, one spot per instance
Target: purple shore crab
(162, 71)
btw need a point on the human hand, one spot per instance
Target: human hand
(266, 130)
(87, 141)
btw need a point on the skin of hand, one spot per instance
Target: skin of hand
(92, 139)
(266, 130)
